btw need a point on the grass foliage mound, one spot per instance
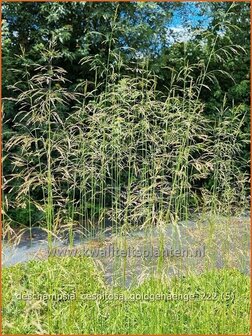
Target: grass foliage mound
(62, 301)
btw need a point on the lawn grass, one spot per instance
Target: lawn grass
(216, 302)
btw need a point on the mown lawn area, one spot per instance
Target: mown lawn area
(69, 296)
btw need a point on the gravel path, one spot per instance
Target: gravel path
(191, 246)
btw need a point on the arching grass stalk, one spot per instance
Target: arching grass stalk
(49, 209)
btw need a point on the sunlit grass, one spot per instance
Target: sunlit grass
(216, 302)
